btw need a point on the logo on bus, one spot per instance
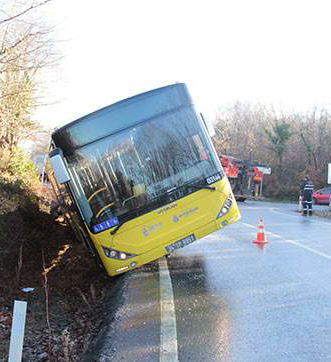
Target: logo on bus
(167, 208)
(146, 231)
(188, 212)
(213, 179)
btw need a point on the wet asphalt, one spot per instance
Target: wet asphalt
(235, 300)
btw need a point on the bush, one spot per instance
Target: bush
(17, 166)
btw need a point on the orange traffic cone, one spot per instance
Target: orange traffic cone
(260, 239)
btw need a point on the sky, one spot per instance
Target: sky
(272, 51)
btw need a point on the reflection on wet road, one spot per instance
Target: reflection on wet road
(227, 299)
(235, 301)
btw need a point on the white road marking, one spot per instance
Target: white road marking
(248, 225)
(169, 349)
(274, 235)
(300, 216)
(278, 211)
(309, 249)
(256, 208)
(296, 243)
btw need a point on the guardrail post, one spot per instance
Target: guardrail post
(17, 332)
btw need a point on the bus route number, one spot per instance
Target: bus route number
(214, 178)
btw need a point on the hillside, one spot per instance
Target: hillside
(39, 252)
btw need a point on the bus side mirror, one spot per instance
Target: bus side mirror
(59, 166)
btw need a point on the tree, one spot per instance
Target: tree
(293, 144)
(315, 134)
(278, 138)
(26, 48)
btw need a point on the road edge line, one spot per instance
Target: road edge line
(168, 348)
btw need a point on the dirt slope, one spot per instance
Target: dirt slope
(71, 289)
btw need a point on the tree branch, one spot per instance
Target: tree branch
(32, 7)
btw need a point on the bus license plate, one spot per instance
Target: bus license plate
(181, 243)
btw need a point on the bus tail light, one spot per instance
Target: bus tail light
(116, 254)
(226, 206)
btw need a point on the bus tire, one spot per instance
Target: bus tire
(90, 246)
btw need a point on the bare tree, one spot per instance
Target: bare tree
(292, 144)
(26, 49)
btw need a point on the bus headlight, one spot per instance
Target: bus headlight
(226, 206)
(116, 254)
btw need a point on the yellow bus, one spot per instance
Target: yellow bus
(140, 178)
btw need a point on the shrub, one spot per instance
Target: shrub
(17, 166)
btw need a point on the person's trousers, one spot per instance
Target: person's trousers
(307, 204)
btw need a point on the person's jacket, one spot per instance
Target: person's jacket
(307, 188)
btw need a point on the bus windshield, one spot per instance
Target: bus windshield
(144, 167)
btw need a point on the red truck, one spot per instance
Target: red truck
(246, 177)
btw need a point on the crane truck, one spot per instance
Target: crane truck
(246, 176)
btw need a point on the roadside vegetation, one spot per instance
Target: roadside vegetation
(292, 144)
(43, 264)
(40, 260)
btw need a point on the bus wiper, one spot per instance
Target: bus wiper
(133, 214)
(113, 232)
(201, 187)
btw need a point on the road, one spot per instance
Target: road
(224, 298)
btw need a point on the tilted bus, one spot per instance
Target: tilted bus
(140, 178)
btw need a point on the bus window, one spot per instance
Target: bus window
(136, 167)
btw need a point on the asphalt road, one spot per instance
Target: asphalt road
(229, 299)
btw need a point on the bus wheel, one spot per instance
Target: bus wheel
(90, 246)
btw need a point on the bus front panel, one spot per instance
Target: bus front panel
(164, 230)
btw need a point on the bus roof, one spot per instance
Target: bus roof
(121, 115)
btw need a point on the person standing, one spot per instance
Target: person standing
(307, 188)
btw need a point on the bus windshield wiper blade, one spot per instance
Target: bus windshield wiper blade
(201, 187)
(135, 213)
(113, 232)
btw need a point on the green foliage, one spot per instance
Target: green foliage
(13, 193)
(21, 164)
(17, 166)
(279, 137)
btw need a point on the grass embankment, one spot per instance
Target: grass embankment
(37, 252)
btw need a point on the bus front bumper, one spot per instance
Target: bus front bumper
(115, 266)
